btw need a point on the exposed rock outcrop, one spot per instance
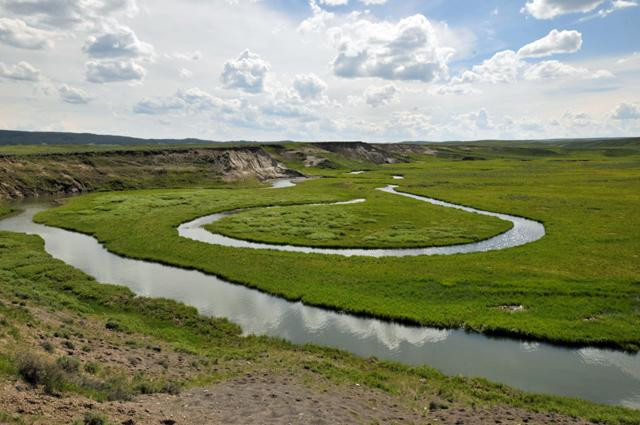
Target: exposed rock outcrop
(40, 175)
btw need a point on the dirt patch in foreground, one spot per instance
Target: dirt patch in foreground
(263, 399)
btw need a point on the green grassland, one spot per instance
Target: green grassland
(578, 285)
(4, 211)
(380, 222)
(32, 279)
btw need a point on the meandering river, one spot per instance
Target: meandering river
(524, 231)
(604, 376)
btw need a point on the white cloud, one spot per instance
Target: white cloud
(309, 86)
(22, 71)
(476, 120)
(113, 71)
(373, 2)
(635, 56)
(247, 73)
(16, 33)
(380, 96)
(67, 14)
(616, 5)
(549, 9)
(553, 43)
(195, 55)
(119, 42)
(334, 2)
(626, 111)
(460, 89)
(553, 69)
(185, 74)
(318, 21)
(193, 100)
(74, 95)
(502, 67)
(406, 50)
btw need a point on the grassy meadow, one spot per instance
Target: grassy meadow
(578, 285)
(382, 221)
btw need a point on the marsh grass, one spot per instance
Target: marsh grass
(383, 221)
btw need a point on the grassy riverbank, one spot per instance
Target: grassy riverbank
(5, 211)
(66, 334)
(578, 285)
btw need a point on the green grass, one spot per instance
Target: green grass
(5, 211)
(31, 278)
(578, 285)
(384, 220)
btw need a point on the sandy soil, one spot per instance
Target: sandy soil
(264, 399)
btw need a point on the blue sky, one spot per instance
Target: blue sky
(322, 69)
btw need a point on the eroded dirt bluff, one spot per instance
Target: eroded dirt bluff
(29, 176)
(320, 154)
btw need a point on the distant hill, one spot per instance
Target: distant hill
(11, 137)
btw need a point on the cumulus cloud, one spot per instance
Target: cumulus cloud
(113, 71)
(502, 67)
(553, 43)
(309, 86)
(66, 14)
(318, 21)
(508, 66)
(22, 71)
(549, 9)
(16, 33)
(334, 2)
(119, 42)
(554, 69)
(476, 120)
(626, 111)
(406, 50)
(380, 96)
(247, 73)
(193, 100)
(74, 95)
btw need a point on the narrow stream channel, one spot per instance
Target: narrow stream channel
(524, 231)
(603, 376)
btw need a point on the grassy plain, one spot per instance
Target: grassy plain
(32, 281)
(578, 285)
(380, 222)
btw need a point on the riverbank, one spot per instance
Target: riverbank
(122, 355)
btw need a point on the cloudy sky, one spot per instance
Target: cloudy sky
(375, 70)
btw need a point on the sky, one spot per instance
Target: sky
(372, 70)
